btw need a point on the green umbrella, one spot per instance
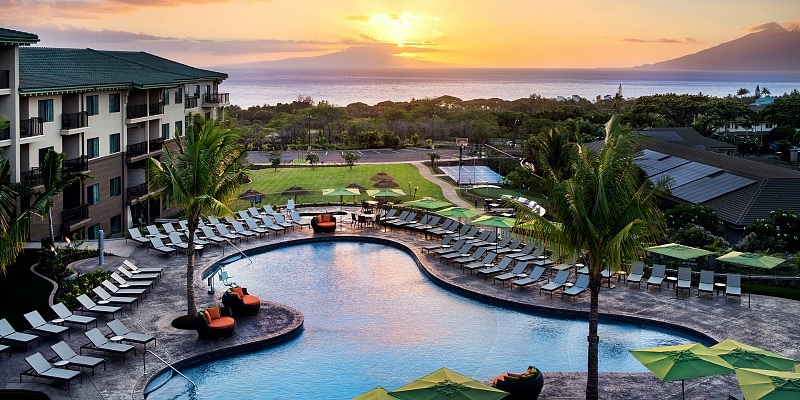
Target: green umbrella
(751, 260)
(765, 384)
(378, 393)
(459, 212)
(679, 251)
(683, 361)
(341, 192)
(741, 355)
(386, 192)
(497, 222)
(445, 384)
(428, 203)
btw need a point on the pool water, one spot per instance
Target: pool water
(373, 319)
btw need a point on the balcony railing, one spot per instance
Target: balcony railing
(156, 144)
(31, 177)
(157, 108)
(5, 133)
(144, 110)
(142, 148)
(74, 215)
(215, 98)
(191, 102)
(75, 120)
(79, 164)
(135, 192)
(5, 79)
(31, 127)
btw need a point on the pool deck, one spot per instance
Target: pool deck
(769, 323)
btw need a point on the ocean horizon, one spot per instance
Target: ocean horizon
(340, 87)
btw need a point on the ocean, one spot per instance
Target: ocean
(371, 86)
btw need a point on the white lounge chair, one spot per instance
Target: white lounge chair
(733, 286)
(580, 286)
(65, 353)
(8, 333)
(657, 276)
(684, 280)
(107, 298)
(637, 273)
(536, 275)
(127, 335)
(296, 219)
(134, 234)
(101, 343)
(42, 368)
(90, 306)
(65, 315)
(38, 324)
(559, 282)
(706, 284)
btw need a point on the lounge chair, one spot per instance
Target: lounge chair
(152, 231)
(39, 325)
(159, 246)
(706, 282)
(252, 225)
(9, 334)
(290, 205)
(447, 227)
(210, 236)
(657, 276)
(41, 368)
(257, 215)
(637, 273)
(107, 298)
(536, 275)
(559, 282)
(462, 252)
(90, 306)
(66, 316)
(268, 224)
(239, 229)
(510, 247)
(134, 234)
(296, 219)
(522, 252)
(169, 228)
(130, 275)
(120, 330)
(138, 270)
(224, 231)
(115, 290)
(471, 232)
(268, 209)
(445, 242)
(124, 283)
(213, 220)
(580, 286)
(533, 256)
(516, 272)
(477, 255)
(496, 269)
(449, 249)
(684, 280)
(65, 353)
(733, 286)
(281, 221)
(101, 343)
(483, 239)
(486, 262)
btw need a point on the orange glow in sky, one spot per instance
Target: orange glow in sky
(480, 33)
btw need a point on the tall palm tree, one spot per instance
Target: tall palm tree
(606, 209)
(55, 181)
(202, 177)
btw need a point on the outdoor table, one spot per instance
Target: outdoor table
(719, 287)
(116, 338)
(198, 249)
(61, 363)
(672, 280)
(58, 321)
(621, 275)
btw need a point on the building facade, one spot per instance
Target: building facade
(108, 112)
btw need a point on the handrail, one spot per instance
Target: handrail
(239, 250)
(169, 365)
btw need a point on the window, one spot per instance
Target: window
(165, 97)
(93, 105)
(768, 125)
(178, 128)
(93, 194)
(114, 103)
(93, 147)
(165, 131)
(178, 95)
(93, 232)
(113, 143)
(116, 186)
(46, 110)
(116, 224)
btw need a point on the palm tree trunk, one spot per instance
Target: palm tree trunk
(191, 307)
(50, 220)
(592, 383)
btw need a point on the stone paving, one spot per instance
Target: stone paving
(770, 323)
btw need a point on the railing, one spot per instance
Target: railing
(75, 120)
(5, 79)
(5, 133)
(31, 177)
(135, 192)
(31, 127)
(73, 215)
(191, 102)
(137, 149)
(144, 360)
(156, 108)
(156, 144)
(144, 110)
(215, 98)
(78, 164)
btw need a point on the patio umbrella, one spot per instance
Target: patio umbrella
(751, 260)
(378, 393)
(341, 192)
(683, 361)
(764, 384)
(497, 222)
(295, 191)
(741, 355)
(381, 176)
(460, 212)
(386, 193)
(360, 188)
(254, 196)
(428, 203)
(386, 183)
(445, 384)
(679, 251)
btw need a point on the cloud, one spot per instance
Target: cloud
(792, 26)
(663, 40)
(764, 27)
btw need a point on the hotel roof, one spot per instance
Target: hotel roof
(12, 37)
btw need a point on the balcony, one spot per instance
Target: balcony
(5, 79)
(137, 192)
(215, 99)
(191, 102)
(31, 127)
(143, 148)
(32, 177)
(156, 144)
(144, 110)
(75, 120)
(80, 164)
(74, 215)
(5, 133)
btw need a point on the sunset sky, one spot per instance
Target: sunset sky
(480, 33)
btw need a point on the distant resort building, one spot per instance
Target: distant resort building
(108, 111)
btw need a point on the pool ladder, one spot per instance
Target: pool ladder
(240, 251)
(194, 386)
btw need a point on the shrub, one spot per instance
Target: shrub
(696, 214)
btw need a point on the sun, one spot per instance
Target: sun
(398, 28)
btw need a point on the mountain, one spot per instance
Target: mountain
(772, 49)
(367, 56)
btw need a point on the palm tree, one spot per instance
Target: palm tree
(202, 177)
(55, 181)
(607, 209)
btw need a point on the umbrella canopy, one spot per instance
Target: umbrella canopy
(751, 260)
(360, 188)
(683, 361)
(445, 384)
(459, 212)
(249, 194)
(741, 355)
(386, 192)
(378, 393)
(428, 203)
(495, 221)
(768, 385)
(340, 192)
(295, 191)
(679, 251)
(381, 176)
(386, 183)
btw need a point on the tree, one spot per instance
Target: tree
(742, 92)
(55, 181)
(350, 158)
(203, 176)
(275, 161)
(607, 209)
(433, 156)
(312, 159)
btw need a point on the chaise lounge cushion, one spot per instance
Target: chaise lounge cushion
(240, 302)
(215, 323)
(324, 223)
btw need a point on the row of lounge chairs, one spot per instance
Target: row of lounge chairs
(683, 282)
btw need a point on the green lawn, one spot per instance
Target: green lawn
(272, 183)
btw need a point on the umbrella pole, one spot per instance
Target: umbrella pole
(749, 286)
(683, 390)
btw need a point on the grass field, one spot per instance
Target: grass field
(272, 183)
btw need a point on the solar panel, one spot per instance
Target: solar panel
(710, 187)
(667, 136)
(686, 173)
(652, 164)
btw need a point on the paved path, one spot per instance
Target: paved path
(448, 190)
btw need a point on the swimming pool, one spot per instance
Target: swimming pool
(373, 319)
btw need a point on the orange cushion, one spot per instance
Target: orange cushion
(250, 300)
(319, 218)
(222, 323)
(206, 316)
(213, 312)
(326, 224)
(238, 291)
(326, 218)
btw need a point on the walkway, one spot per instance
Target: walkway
(448, 190)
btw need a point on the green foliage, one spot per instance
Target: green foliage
(696, 214)
(312, 159)
(779, 233)
(433, 156)
(697, 236)
(744, 144)
(54, 264)
(275, 161)
(350, 158)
